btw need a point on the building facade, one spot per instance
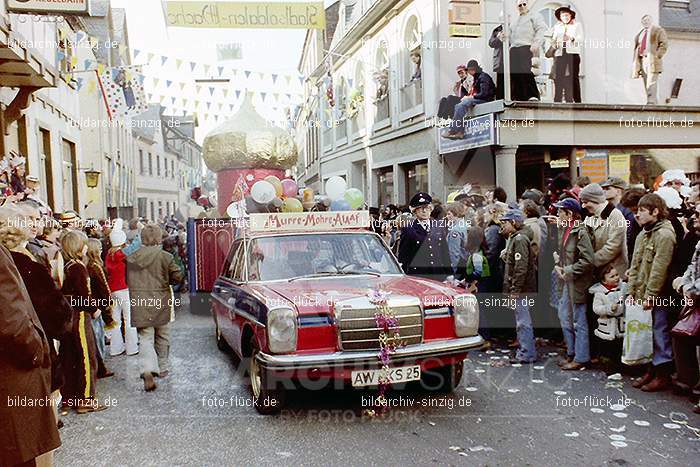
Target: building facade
(377, 106)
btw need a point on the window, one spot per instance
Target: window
(411, 70)
(153, 211)
(70, 176)
(160, 209)
(157, 165)
(341, 112)
(232, 260)
(172, 169)
(141, 162)
(46, 168)
(381, 83)
(150, 164)
(142, 207)
(416, 178)
(356, 102)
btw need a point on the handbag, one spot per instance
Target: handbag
(689, 323)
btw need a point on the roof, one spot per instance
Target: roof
(680, 16)
(147, 129)
(332, 17)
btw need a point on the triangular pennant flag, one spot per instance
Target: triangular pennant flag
(208, 105)
(221, 106)
(150, 57)
(221, 70)
(276, 95)
(261, 75)
(141, 79)
(289, 79)
(168, 83)
(155, 82)
(238, 94)
(163, 59)
(87, 64)
(289, 96)
(231, 106)
(172, 100)
(92, 86)
(69, 77)
(79, 36)
(211, 90)
(136, 53)
(193, 65)
(196, 103)
(150, 96)
(247, 73)
(60, 56)
(182, 86)
(100, 68)
(178, 62)
(61, 34)
(206, 116)
(225, 93)
(206, 69)
(350, 81)
(199, 88)
(79, 83)
(74, 61)
(301, 80)
(274, 78)
(263, 94)
(184, 102)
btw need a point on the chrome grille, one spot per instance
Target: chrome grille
(358, 329)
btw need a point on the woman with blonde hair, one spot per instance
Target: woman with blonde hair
(101, 294)
(49, 242)
(54, 312)
(78, 349)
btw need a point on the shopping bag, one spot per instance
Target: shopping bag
(638, 345)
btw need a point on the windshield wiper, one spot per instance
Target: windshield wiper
(317, 274)
(359, 273)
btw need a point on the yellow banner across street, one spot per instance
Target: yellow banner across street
(249, 15)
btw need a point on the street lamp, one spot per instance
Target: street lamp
(92, 178)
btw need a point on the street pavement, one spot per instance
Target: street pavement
(500, 415)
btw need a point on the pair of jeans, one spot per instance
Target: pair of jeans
(523, 327)
(662, 324)
(457, 125)
(574, 326)
(154, 348)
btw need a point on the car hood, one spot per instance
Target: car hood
(316, 295)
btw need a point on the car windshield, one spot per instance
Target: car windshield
(294, 256)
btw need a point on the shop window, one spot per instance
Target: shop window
(70, 176)
(416, 178)
(385, 177)
(381, 83)
(411, 72)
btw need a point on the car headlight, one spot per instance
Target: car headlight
(282, 330)
(466, 309)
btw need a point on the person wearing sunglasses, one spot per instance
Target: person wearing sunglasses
(526, 40)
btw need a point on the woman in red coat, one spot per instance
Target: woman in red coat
(78, 351)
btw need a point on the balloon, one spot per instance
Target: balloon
(325, 200)
(308, 195)
(289, 187)
(340, 205)
(292, 205)
(262, 192)
(335, 187)
(354, 197)
(277, 203)
(275, 182)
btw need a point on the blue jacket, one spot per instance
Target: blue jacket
(485, 89)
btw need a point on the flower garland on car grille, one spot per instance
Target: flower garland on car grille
(389, 340)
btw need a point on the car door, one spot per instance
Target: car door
(223, 291)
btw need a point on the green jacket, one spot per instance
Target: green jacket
(653, 252)
(521, 264)
(576, 257)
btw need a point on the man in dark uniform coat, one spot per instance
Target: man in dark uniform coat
(423, 247)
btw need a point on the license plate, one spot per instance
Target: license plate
(396, 375)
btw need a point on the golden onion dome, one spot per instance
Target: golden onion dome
(247, 140)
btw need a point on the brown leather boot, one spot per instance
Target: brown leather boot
(148, 382)
(646, 379)
(659, 383)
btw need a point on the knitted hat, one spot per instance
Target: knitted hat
(593, 193)
(117, 237)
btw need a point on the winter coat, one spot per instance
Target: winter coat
(611, 324)
(76, 287)
(653, 252)
(691, 277)
(575, 43)
(521, 263)
(535, 226)
(25, 372)
(456, 243)
(484, 88)
(53, 310)
(576, 257)
(425, 254)
(609, 238)
(115, 266)
(658, 45)
(150, 272)
(100, 291)
(497, 45)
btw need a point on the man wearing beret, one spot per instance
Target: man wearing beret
(423, 249)
(519, 279)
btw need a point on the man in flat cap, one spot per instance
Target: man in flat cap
(614, 187)
(423, 247)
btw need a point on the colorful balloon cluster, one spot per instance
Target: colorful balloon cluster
(281, 193)
(341, 197)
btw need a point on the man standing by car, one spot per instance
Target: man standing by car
(423, 249)
(520, 278)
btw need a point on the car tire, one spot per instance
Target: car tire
(269, 396)
(443, 379)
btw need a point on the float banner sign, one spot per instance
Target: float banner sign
(249, 15)
(49, 6)
(309, 221)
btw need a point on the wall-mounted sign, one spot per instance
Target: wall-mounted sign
(478, 132)
(248, 15)
(464, 18)
(619, 166)
(559, 164)
(71, 7)
(594, 165)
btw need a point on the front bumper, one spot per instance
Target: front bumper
(368, 359)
